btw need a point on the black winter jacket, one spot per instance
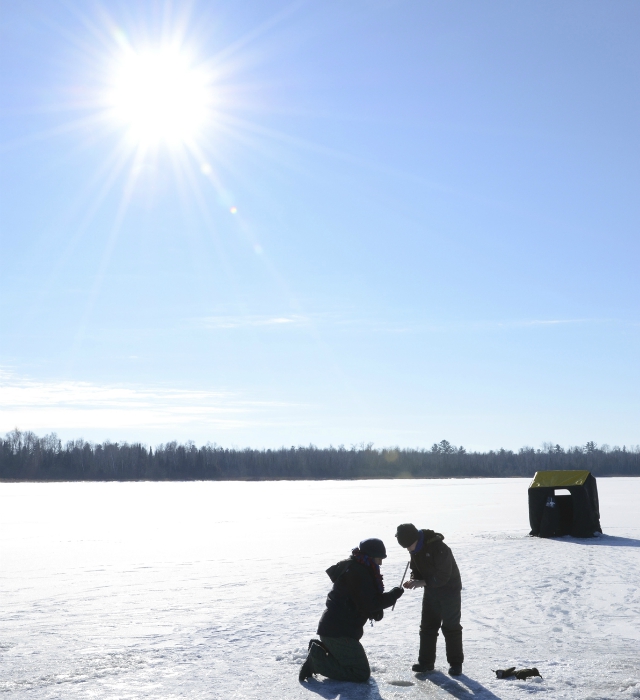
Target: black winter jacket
(353, 600)
(435, 565)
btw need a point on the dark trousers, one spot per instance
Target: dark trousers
(343, 660)
(440, 609)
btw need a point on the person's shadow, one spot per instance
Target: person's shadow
(459, 687)
(331, 690)
(462, 688)
(600, 541)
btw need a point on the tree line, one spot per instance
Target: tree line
(26, 457)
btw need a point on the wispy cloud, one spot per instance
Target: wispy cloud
(547, 322)
(352, 322)
(532, 323)
(70, 405)
(250, 321)
(417, 326)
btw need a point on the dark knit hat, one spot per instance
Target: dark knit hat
(407, 534)
(373, 547)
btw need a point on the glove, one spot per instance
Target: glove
(527, 673)
(505, 673)
(397, 591)
(377, 615)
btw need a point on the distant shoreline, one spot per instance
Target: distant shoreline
(254, 481)
(25, 457)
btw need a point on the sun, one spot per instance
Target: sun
(159, 97)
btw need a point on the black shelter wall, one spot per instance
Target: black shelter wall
(537, 499)
(592, 488)
(586, 519)
(582, 516)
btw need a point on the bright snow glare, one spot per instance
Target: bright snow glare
(212, 590)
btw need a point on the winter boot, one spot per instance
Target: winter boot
(422, 668)
(455, 670)
(306, 670)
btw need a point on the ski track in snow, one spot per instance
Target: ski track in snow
(212, 590)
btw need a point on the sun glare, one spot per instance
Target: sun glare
(158, 96)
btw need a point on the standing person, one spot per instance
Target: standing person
(357, 596)
(434, 568)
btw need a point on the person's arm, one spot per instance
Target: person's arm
(367, 598)
(415, 579)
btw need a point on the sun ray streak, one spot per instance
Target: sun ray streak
(113, 169)
(259, 31)
(106, 258)
(69, 127)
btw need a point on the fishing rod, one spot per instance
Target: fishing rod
(401, 582)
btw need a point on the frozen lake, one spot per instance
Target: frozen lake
(212, 590)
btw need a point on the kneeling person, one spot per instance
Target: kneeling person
(357, 596)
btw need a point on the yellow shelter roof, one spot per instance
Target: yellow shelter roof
(559, 479)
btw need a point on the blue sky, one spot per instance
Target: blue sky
(399, 222)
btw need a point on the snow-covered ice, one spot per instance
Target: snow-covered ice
(212, 590)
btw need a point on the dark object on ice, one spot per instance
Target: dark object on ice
(576, 513)
(455, 670)
(373, 547)
(422, 668)
(521, 675)
(407, 534)
(525, 673)
(505, 672)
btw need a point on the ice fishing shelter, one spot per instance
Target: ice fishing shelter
(554, 515)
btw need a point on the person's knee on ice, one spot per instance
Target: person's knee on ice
(357, 595)
(362, 675)
(317, 654)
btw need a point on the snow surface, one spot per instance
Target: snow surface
(212, 590)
